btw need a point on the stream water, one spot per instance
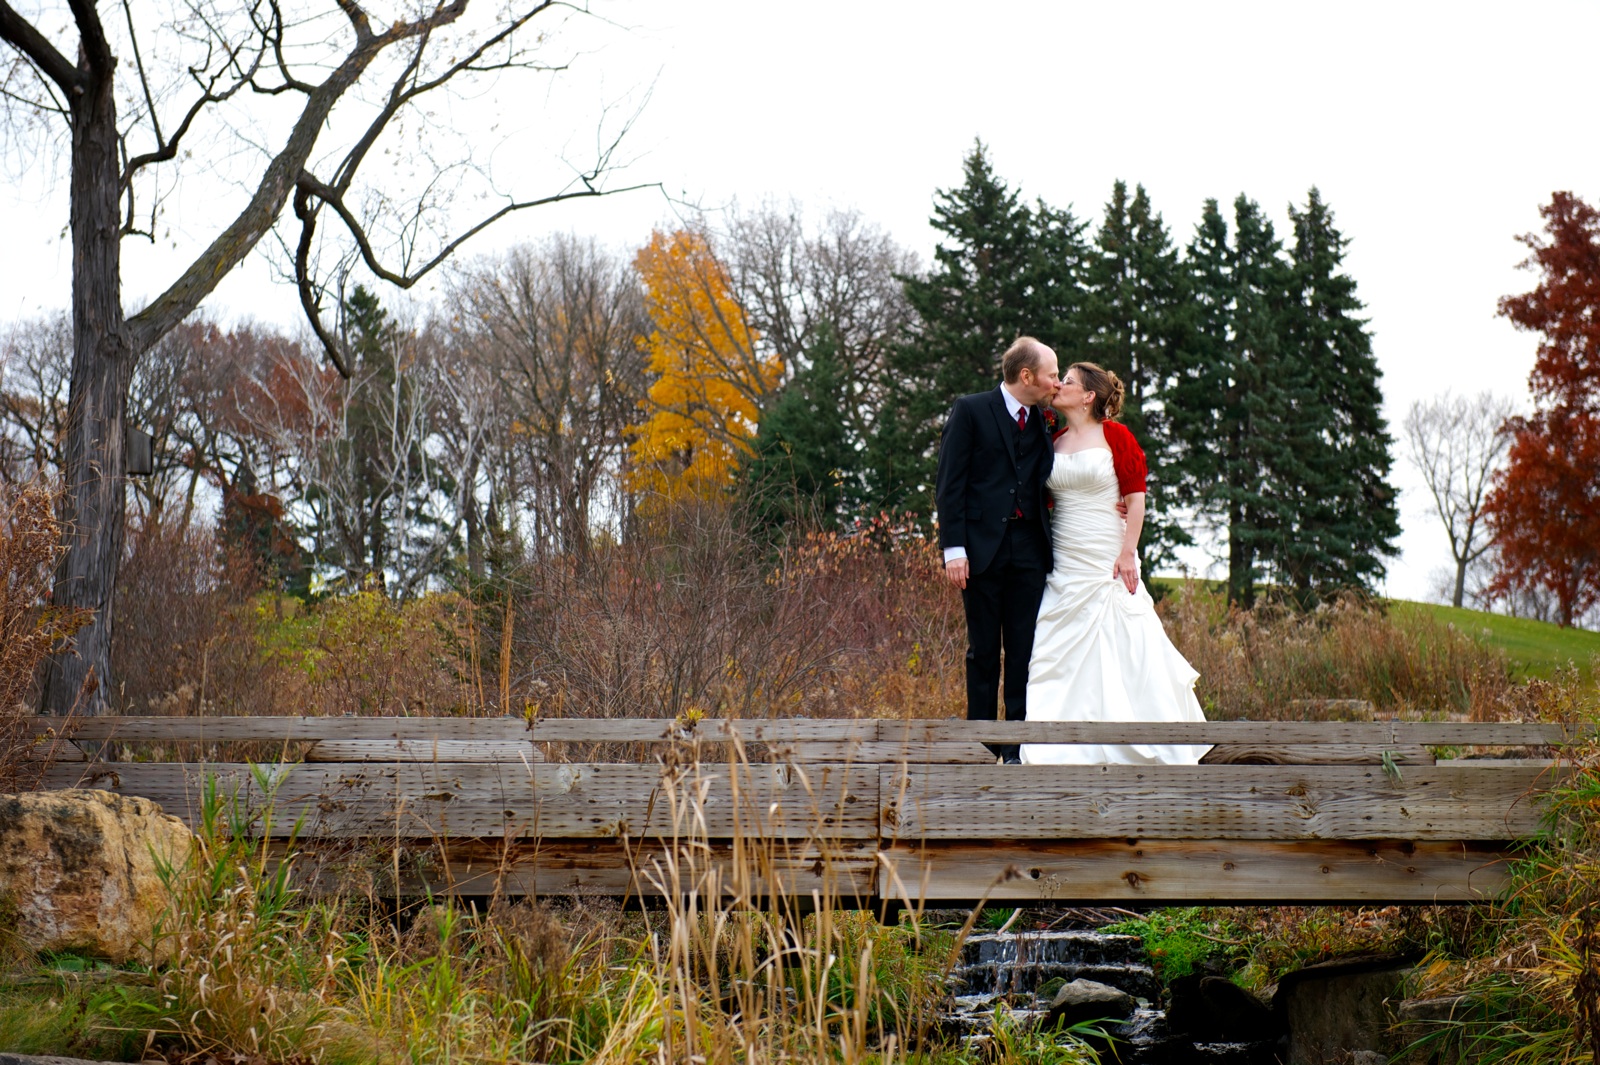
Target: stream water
(1019, 971)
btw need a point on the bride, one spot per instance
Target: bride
(1100, 653)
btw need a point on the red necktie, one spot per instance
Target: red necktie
(1022, 417)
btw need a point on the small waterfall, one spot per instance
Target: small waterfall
(1019, 972)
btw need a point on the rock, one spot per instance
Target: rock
(1086, 1000)
(1419, 1018)
(78, 870)
(1214, 1009)
(1447, 1008)
(1047, 990)
(1338, 1008)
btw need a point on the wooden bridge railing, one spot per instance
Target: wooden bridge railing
(894, 810)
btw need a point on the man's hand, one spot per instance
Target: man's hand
(1122, 508)
(956, 572)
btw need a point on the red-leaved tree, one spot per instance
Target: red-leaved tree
(1545, 506)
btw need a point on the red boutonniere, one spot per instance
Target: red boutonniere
(1052, 426)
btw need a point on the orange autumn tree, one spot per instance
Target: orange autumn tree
(1545, 505)
(711, 379)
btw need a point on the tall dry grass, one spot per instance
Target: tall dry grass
(1259, 664)
(726, 972)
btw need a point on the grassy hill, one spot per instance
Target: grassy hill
(1535, 648)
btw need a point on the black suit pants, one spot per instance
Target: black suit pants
(1002, 606)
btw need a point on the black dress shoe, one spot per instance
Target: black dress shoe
(1012, 759)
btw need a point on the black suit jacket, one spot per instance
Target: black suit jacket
(985, 467)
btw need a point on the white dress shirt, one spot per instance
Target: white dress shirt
(1013, 404)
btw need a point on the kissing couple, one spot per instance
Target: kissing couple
(1041, 498)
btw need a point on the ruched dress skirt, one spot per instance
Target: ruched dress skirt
(1100, 653)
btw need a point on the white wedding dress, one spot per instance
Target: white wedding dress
(1100, 654)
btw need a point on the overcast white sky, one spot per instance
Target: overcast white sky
(1434, 130)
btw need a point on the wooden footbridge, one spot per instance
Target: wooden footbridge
(863, 811)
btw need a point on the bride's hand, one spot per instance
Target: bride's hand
(1127, 570)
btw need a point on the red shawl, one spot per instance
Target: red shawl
(1126, 455)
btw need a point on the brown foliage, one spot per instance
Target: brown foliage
(30, 628)
(694, 616)
(196, 634)
(182, 638)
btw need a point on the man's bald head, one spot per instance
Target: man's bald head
(1025, 353)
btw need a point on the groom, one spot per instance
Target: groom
(993, 463)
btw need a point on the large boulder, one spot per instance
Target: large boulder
(78, 870)
(1337, 1009)
(1214, 1009)
(1087, 1000)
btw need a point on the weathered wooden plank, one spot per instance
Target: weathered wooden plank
(645, 730)
(513, 752)
(1483, 801)
(1084, 872)
(889, 753)
(1386, 733)
(600, 730)
(1224, 872)
(843, 870)
(1315, 754)
(572, 801)
(288, 729)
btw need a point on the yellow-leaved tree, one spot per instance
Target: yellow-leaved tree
(711, 380)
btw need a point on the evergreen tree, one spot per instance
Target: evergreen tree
(803, 468)
(371, 341)
(1348, 518)
(382, 501)
(1230, 408)
(1274, 407)
(1002, 269)
(1135, 321)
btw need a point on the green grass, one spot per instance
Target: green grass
(1534, 648)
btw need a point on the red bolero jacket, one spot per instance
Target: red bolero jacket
(1126, 455)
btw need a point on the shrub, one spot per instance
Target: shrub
(30, 628)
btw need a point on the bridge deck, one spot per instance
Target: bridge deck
(862, 810)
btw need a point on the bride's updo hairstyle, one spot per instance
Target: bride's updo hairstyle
(1106, 386)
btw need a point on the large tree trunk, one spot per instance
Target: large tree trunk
(1461, 583)
(102, 365)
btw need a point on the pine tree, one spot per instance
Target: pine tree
(804, 469)
(1274, 407)
(1002, 269)
(1135, 324)
(1347, 517)
(1231, 402)
(371, 337)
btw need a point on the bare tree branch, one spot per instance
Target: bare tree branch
(252, 223)
(21, 35)
(92, 40)
(168, 149)
(327, 194)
